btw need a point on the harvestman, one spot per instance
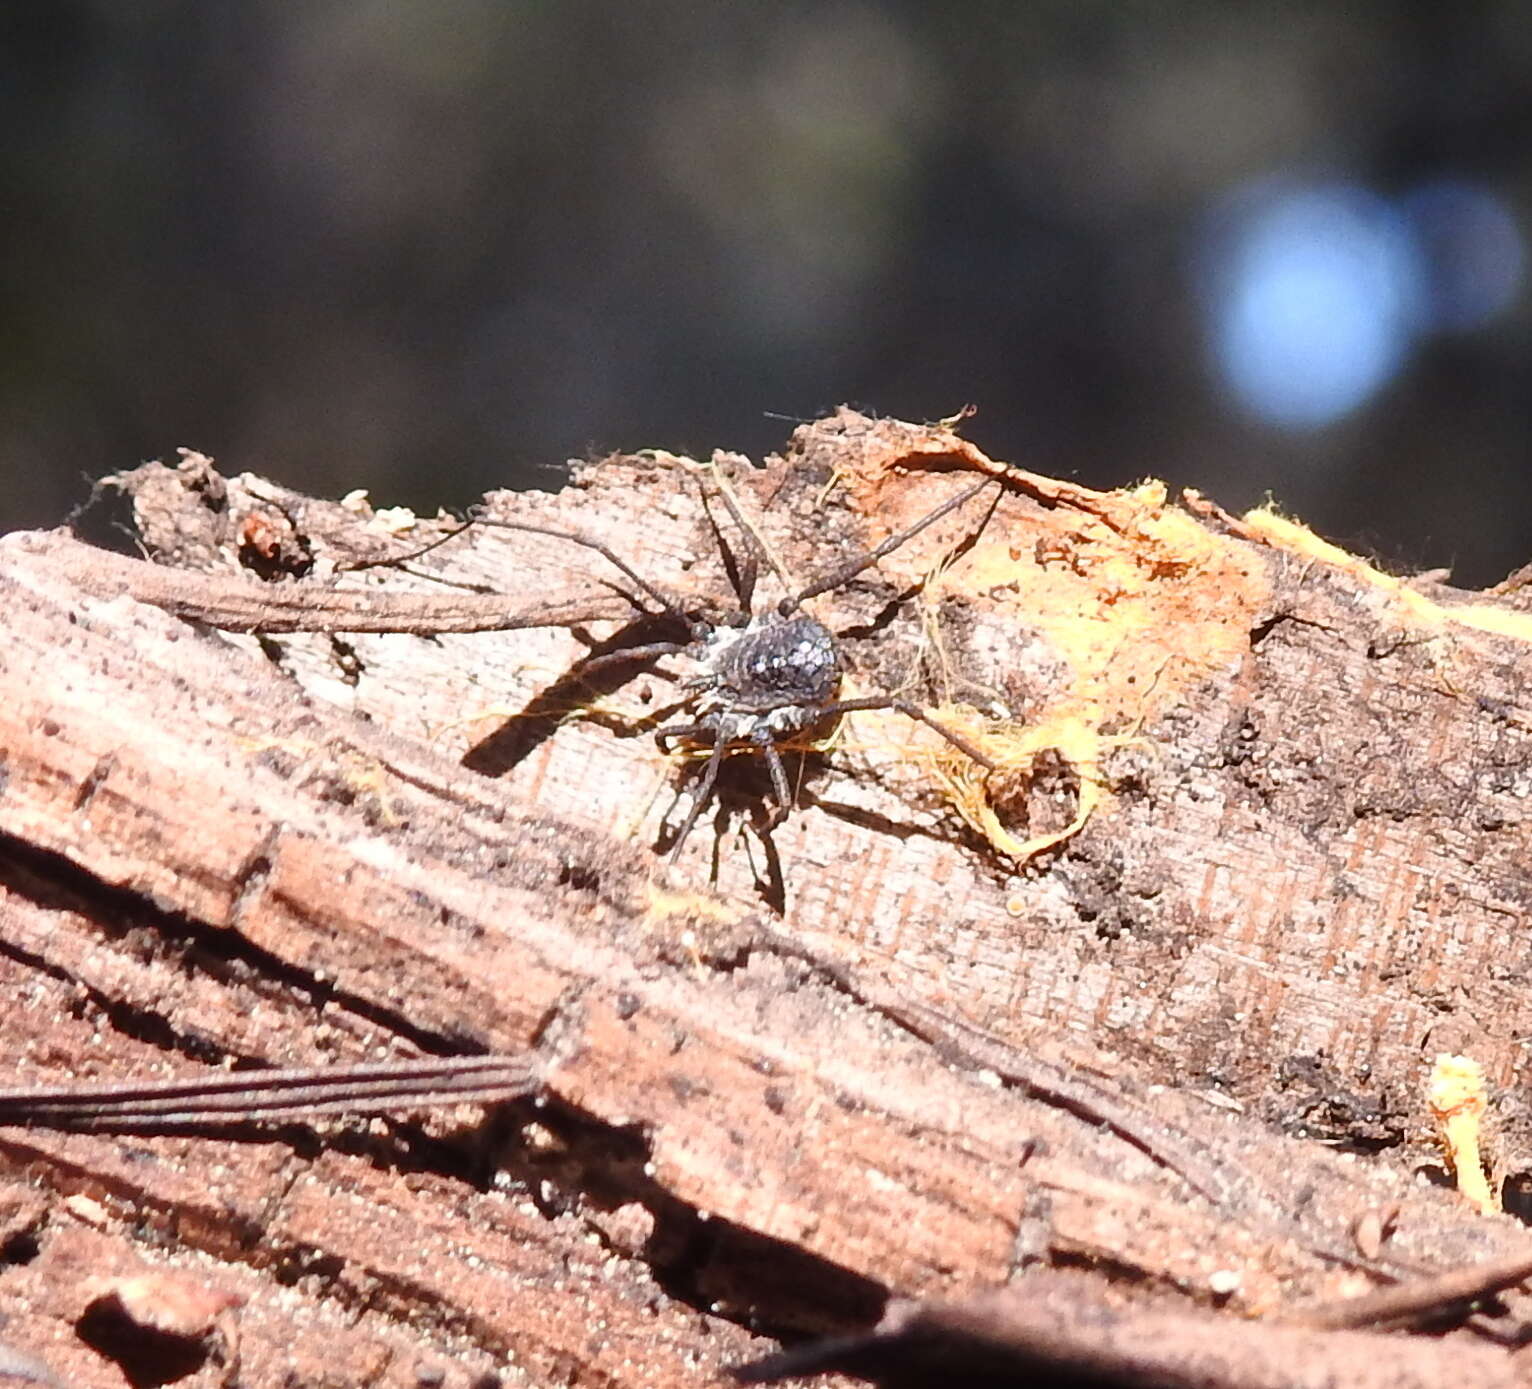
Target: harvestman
(765, 676)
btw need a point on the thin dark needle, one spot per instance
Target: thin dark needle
(233, 1096)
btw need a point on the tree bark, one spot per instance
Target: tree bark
(1155, 999)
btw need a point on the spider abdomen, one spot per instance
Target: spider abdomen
(776, 662)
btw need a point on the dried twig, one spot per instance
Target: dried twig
(235, 605)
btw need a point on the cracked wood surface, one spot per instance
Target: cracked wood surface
(865, 1054)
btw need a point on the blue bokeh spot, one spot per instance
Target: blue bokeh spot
(1318, 292)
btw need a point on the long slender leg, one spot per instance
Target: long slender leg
(391, 561)
(744, 569)
(476, 518)
(847, 572)
(673, 733)
(648, 652)
(702, 795)
(754, 546)
(672, 606)
(763, 739)
(912, 711)
(747, 572)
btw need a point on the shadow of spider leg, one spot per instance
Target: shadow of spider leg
(605, 667)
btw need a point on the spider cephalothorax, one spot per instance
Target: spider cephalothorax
(767, 678)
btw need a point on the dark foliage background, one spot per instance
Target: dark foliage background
(432, 248)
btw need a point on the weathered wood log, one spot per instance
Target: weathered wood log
(1256, 851)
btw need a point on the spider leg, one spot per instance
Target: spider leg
(749, 571)
(648, 652)
(671, 605)
(847, 572)
(755, 549)
(701, 796)
(912, 711)
(675, 732)
(762, 738)
(393, 561)
(743, 569)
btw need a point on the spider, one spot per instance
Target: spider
(764, 676)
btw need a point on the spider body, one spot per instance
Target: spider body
(772, 675)
(782, 670)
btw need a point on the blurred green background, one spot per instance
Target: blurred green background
(431, 248)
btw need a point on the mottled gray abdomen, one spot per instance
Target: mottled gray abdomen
(778, 663)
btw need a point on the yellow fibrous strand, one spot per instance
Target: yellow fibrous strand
(1418, 609)
(1133, 600)
(1016, 748)
(1458, 1099)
